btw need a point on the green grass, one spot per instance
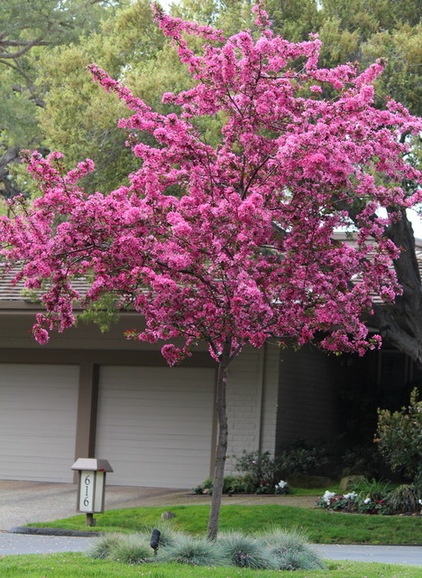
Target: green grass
(317, 492)
(320, 526)
(79, 566)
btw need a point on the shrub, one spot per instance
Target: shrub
(399, 438)
(361, 460)
(263, 473)
(301, 459)
(245, 552)
(292, 551)
(192, 551)
(231, 485)
(260, 471)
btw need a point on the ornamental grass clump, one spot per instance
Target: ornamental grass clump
(129, 549)
(192, 551)
(245, 552)
(292, 551)
(104, 545)
(273, 550)
(133, 550)
(404, 500)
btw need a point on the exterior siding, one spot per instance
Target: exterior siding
(270, 398)
(251, 402)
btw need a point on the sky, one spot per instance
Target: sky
(416, 223)
(166, 3)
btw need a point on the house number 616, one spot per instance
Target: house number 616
(87, 482)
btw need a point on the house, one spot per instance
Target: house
(93, 394)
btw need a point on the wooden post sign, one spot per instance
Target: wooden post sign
(91, 487)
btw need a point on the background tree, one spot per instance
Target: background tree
(231, 243)
(132, 49)
(27, 28)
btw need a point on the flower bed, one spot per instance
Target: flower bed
(401, 500)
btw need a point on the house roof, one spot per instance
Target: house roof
(14, 294)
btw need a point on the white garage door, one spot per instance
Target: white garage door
(38, 405)
(155, 425)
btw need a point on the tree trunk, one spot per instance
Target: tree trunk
(221, 452)
(401, 323)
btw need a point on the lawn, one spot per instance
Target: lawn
(320, 526)
(80, 566)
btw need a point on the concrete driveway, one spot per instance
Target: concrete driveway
(27, 502)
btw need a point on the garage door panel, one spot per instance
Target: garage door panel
(155, 424)
(38, 405)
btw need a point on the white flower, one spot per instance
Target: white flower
(328, 496)
(350, 496)
(281, 485)
(366, 500)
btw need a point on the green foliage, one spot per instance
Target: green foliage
(372, 488)
(260, 470)
(361, 460)
(79, 117)
(231, 485)
(265, 474)
(129, 549)
(301, 459)
(29, 29)
(399, 437)
(102, 312)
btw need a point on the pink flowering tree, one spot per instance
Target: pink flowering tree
(231, 244)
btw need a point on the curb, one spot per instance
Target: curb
(53, 532)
